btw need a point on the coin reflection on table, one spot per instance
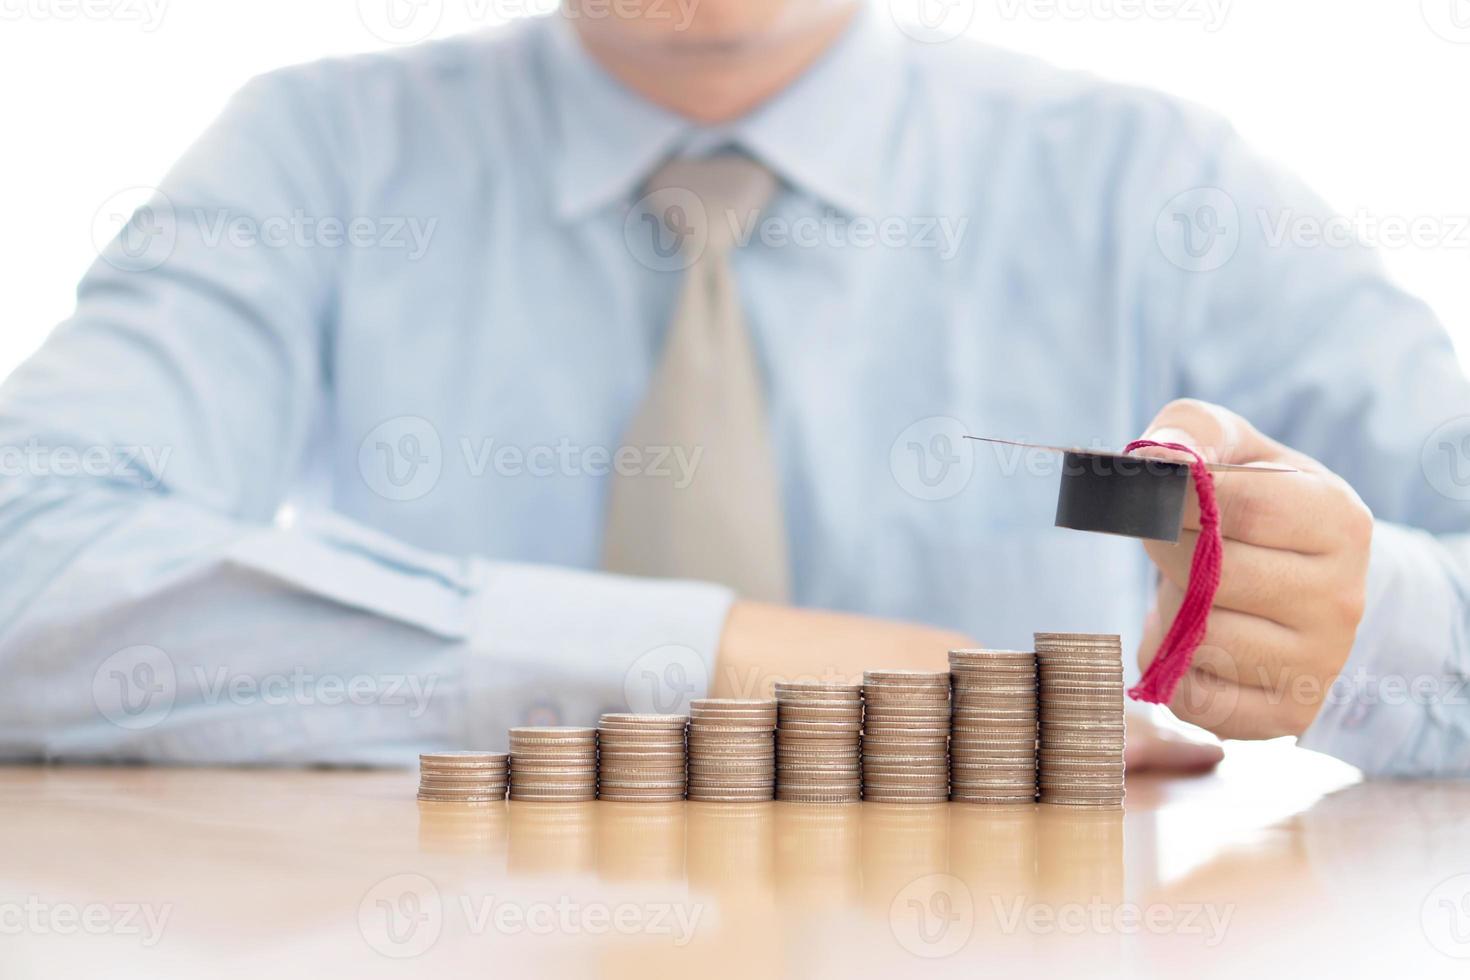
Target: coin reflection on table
(731, 846)
(818, 855)
(901, 842)
(993, 848)
(640, 841)
(1080, 854)
(551, 838)
(457, 828)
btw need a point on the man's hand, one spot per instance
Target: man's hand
(763, 644)
(1293, 584)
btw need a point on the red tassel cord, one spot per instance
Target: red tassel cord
(1188, 630)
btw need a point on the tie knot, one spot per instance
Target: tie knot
(709, 203)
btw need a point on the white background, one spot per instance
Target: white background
(1367, 99)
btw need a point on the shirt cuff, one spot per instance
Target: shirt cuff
(603, 642)
(1400, 670)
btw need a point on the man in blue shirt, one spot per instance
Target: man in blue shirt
(326, 463)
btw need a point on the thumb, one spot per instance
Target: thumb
(1217, 434)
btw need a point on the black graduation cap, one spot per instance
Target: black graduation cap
(1116, 493)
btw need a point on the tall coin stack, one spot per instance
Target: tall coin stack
(463, 777)
(906, 736)
(641, 758)
(992, 740)
(553, 764)
(732, 750)
(1081, 713)
(819, 743)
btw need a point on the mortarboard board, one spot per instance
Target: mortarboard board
(1143, 497)
(1118, 493)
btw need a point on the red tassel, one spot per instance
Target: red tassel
(1188, 630)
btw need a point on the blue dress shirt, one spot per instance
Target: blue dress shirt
(316, 472)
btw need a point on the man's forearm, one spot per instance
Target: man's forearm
(142, 627)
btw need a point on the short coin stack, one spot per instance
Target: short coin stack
(992, 742)
(906, 736)
(1081, 714)
(732, 750)
(641, 758)
(819, 743)
(553, 764)
(463, 777)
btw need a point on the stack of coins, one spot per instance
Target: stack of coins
(553, 764)
(463, 777)
(1081, 714)
(819, 743)
(641, 758)
(992, 739)
(906, 736)
(732, 750)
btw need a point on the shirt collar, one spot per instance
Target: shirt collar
(828, 133)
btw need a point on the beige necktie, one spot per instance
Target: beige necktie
(705, 399)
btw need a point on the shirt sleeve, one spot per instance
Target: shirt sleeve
(155, 608)
(1260, 297)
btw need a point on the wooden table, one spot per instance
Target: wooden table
(1283, 864)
